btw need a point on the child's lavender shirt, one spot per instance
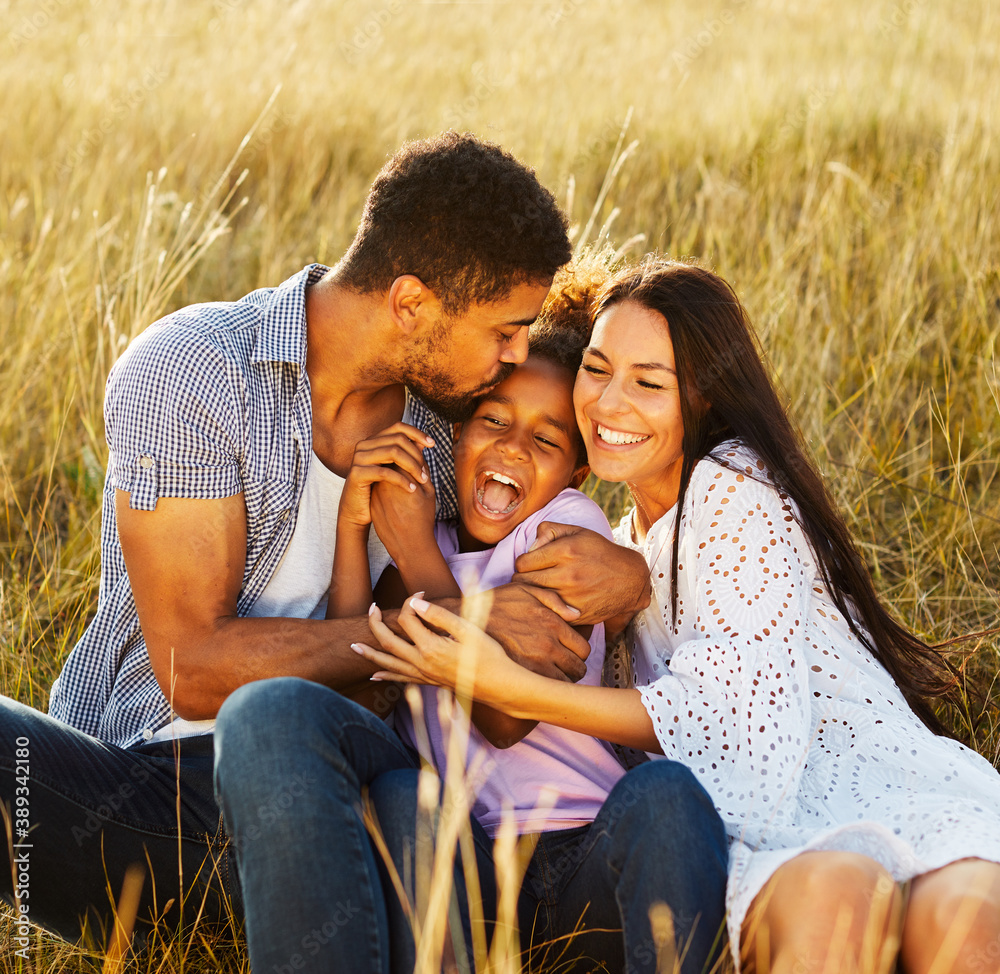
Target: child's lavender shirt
(552, 778)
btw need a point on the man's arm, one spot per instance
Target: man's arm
(186, 580)
(185, 562)
(604, 581)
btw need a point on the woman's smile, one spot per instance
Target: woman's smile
(619, 438)
(628, 405)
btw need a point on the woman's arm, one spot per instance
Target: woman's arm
(500, 729)
(475, 665)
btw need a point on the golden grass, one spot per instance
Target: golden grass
(833, 160)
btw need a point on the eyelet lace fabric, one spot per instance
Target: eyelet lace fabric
(799, 735)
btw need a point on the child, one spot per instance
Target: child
(518, 461)
(610, 845)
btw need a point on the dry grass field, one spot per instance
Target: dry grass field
(836, 161)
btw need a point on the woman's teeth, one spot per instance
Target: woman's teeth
(615, 438)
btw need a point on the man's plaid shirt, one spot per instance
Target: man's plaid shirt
(208, 402)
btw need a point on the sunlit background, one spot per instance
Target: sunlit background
(836, 161)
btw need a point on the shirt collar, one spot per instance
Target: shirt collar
(282, 336)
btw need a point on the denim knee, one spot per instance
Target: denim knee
(661, 796)
(256, 705)
(263, 725)
(393, 797)
(273, 714)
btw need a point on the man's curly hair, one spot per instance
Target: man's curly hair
(461, 214)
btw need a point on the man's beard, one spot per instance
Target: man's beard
(434, 390)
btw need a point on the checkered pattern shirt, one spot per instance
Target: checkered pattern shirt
(209, 402)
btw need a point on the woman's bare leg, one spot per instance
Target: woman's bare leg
(829, 912)
(952, 923)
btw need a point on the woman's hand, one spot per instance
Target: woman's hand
(467, 658)
(464, 658)
(603, 580)
(393, 457)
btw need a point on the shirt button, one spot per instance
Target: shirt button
(145, 461)
(147, 734)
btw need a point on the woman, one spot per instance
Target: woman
(764, 662)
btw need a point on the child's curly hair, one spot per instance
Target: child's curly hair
(562, 329)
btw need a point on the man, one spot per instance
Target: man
(229, 427)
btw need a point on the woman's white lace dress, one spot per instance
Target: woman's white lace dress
(801, 738)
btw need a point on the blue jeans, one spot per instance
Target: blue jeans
(656, 839)
(93, 810)
(293, 760)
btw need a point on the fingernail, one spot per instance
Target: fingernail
(358, 648)
(375, 678)
(430, 442)
(423, 474)
(412, 488)
(419, 605)
(372, 609)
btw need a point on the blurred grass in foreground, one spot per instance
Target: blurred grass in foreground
(831, 160)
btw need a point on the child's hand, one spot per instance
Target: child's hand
(403, 519)
(393, 457)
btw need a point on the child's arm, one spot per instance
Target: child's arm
(420, 567)
(404, 522)
(392, 457)
(500, 729)
(350, 584)
(505, 730)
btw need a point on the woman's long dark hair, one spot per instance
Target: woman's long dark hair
(726, 393)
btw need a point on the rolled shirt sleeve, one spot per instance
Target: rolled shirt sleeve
(172, 420)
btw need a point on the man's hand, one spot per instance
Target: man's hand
(526, 621)
(604, 581)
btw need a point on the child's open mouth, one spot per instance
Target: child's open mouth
(497, 493)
